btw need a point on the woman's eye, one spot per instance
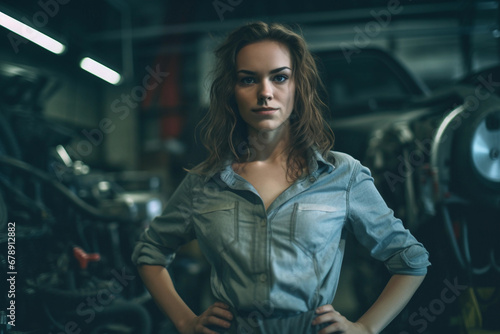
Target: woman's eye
(247, 80)
(280, 78)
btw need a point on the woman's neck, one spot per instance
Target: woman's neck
(269, 146)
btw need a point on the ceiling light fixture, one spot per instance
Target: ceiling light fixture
(31, 34)
(99, 70)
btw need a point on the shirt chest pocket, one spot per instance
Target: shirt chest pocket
(218, 224)
(315, 225)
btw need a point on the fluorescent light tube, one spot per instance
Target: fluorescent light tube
(99, 70)
(31, 34)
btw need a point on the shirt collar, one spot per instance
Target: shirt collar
(314, 158)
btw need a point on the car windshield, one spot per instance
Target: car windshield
(364, 85)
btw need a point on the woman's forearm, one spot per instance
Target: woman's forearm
(160, 285)
(396, 294)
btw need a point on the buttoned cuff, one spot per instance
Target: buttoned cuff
(413, 260)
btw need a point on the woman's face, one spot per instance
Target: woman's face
(265, 88)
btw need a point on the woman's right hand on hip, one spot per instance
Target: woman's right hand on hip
(217, 315)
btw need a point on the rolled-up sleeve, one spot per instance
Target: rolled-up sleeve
(158, 244)
(376, 228)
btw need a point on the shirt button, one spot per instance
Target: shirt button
(263, 223)
(312, 179)
(263, 278)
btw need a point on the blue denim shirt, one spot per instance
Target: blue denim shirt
(288, 257)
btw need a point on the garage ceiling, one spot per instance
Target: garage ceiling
(131, 31)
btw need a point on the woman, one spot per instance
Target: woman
(271, 204)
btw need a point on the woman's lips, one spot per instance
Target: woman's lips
(264, 111)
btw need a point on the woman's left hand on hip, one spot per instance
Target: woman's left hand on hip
(338, 323)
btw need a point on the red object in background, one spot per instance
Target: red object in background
(165, 99)
(83, 258)
(171, 125)
(165, 94)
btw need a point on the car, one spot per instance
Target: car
(435, 158)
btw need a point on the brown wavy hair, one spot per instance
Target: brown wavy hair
(224, 131)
